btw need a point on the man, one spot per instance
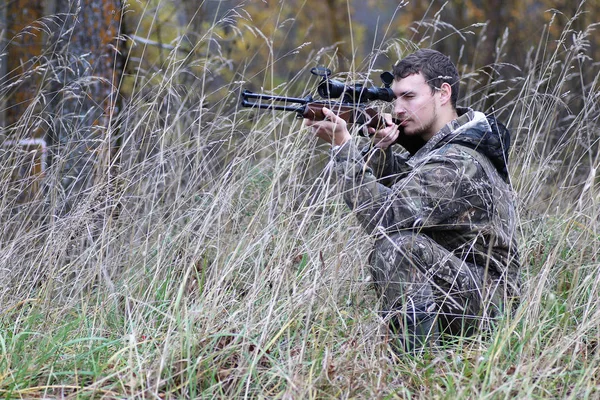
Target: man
(445, 258)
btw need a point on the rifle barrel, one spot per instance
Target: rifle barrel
(246, 94)
(271, 106)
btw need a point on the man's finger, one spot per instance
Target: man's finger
(329, 115)
(388, 119)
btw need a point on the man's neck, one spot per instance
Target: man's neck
(442, 120)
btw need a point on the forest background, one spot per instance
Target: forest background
(158, 240)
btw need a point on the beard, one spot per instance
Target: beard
(426, 128)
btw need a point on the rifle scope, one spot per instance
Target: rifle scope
(358, 93)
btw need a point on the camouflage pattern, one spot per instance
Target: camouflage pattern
(444, 223)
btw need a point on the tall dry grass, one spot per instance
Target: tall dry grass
(217, 259)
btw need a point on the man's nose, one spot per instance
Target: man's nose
(399, 108)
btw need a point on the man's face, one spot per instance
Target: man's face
(416, 106)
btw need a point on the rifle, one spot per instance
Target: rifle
(351, 109)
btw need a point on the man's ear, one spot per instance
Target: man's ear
(445, 93)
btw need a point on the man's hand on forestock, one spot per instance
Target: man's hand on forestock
(332, 129)
(384, 138)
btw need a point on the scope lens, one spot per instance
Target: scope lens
(331, 88)
(387, 78)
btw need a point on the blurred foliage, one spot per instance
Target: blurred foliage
(269, 41)
(270, 44)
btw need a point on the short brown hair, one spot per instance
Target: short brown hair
(435, 67)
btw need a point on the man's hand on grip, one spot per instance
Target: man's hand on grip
(384, 138)
(332, 129)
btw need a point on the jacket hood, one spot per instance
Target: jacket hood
(479, 132)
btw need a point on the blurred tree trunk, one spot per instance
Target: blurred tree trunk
(334, 11)
(63, 62)
(497, 14)
(24, 156)
(24, 44)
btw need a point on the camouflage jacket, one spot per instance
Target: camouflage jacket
(454, 189)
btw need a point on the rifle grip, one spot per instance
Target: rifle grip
(377, 121)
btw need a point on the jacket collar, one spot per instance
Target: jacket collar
(467, 118)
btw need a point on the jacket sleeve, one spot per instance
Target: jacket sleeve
(386, 165)
(427, 196)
